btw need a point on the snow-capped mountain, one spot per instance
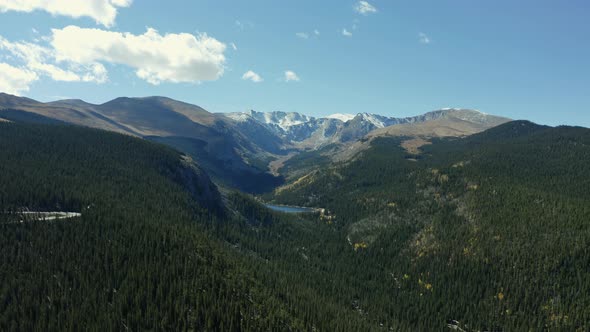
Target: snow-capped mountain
(276, 120)
(235, 148)
(341, 117)
(304, 131)
(291, 126)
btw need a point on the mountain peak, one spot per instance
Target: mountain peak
(277, 119)
(341, 117)
(379, 121)
(70, 102)
(12, 100)
(469, 115)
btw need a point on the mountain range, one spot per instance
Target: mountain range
(305, 132)
(238, 149)
(420, 225)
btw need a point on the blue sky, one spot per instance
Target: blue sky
(522, 59)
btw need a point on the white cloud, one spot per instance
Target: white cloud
(290, 76)
(346, 33)
(39, 59)
(302, 35)
(96, 73)
(15, 80)
(102, 11)
(79, 55)
(365, 8)
(252, 76)
(157, 58)
(424, 39)
(316, 32)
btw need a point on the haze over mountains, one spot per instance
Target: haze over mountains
(237, 148)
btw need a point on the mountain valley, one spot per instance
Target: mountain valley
(317, 166)
(238, 149)
(394, 219)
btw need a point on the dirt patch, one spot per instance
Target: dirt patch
(413, 145)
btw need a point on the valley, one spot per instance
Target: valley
(245, 150)
(364, 235)
(297, 166)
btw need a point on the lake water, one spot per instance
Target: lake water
(290, 209)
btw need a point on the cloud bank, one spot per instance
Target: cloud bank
(102, 11)
(15, 80)
(157, 58)
(75, 54)
(41, 60)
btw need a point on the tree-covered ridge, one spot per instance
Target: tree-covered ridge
(126, 261)
(60, 167)
(142, 255)
(491, 230)
(462, 232)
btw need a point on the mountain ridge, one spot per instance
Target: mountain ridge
(482, 220)
(304, 130)
(209, 139)
(237, 149)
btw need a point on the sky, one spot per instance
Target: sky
(521, 59)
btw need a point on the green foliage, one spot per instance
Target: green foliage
(491, 230)
(307, 160)
(22, 116)
(140, 257)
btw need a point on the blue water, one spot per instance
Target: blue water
(289, 209)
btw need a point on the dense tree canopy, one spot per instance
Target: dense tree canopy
(489, 232)
(492, 231)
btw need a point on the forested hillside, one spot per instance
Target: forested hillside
(237, 149)
(141, 256)
(492, 231)
(229, 154)
(133, 260)
(489, 232)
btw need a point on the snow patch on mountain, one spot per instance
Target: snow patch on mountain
(310, 132)
(240, 117)
(341, 117)
(283, 120)
(377, 120)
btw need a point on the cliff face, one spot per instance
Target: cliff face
(198, 183)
